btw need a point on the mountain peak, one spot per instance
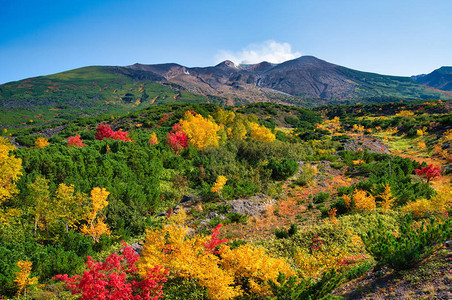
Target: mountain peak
(227, 64)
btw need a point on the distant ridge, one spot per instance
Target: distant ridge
(440, 79)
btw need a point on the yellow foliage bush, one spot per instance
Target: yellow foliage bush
(404, 113)
(252, 267)
(261, 133)
(186, 257)
(363, 200)
(436, 206)
(41, 142)
(201, 132)
(232, 273)
(10, 170)
(219, 184)
(316, 263)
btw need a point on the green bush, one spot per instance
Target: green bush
(411, 245)
(292, 289)
(282, 170)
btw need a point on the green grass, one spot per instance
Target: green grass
(82, 92)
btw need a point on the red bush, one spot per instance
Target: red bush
(104, 131)
(214, 241)
(75, 141)
(430, 172)
(116, 278)
(177, 141)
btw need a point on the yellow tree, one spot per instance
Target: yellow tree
(10, 170)
(68, 205)
(23, 276)
(41, 142)
(96, 226)
(40, 195)
(219, 184)
(201, 132)
(386, 197)
(261, 133)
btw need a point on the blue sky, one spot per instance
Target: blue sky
(402, 37)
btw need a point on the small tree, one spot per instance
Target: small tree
(430, 172)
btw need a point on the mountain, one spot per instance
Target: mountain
(94, 90)
(305, 77)
(440, 79)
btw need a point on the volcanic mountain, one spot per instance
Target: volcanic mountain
(306, 80)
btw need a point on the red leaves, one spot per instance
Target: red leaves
(104, 131)
(75, 141)
(177, 141)
(116, 278)
(214, 241)
(430, 172)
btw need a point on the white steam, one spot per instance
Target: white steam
(270, 51)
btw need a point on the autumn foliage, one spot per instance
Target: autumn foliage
(10, 170)
(117, 278)
(228, 274)
(75, 141)
(104, 131)
(430, 172)
(23, 276)
(41, 142)
(201, 132)
(96, 225)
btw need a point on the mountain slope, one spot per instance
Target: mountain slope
(440, 79)
(113, 89)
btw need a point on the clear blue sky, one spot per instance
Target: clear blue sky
(398, 37)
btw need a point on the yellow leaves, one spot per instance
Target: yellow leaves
(23, 279)
(254, 266)
(332, 214)
(363, 200)
(10, 170)
(186, 257)
(224, 276)
(41, 142)
(319, 261)
(404, 113)
(219, 184)
(201, 132)
(386, 196)
(439, 204)
(421, 145)
(261, 133)
(153, 139)
(96, 226)
(358, 128)
(358, 162)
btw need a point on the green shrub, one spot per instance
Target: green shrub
(412, 244)
(282, 170)
(292, 289)
(306, 176)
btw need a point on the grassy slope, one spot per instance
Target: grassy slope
(84, 91)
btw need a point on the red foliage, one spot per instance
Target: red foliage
(430, 172)
(316, 243)
(104, 131)
(214, 241)
(116, 278)
(177, 127)
(177, 141)
(163, 120)
(75, 141)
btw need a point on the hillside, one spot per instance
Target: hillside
(305, 81)
(226, 199)
(440, 79)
